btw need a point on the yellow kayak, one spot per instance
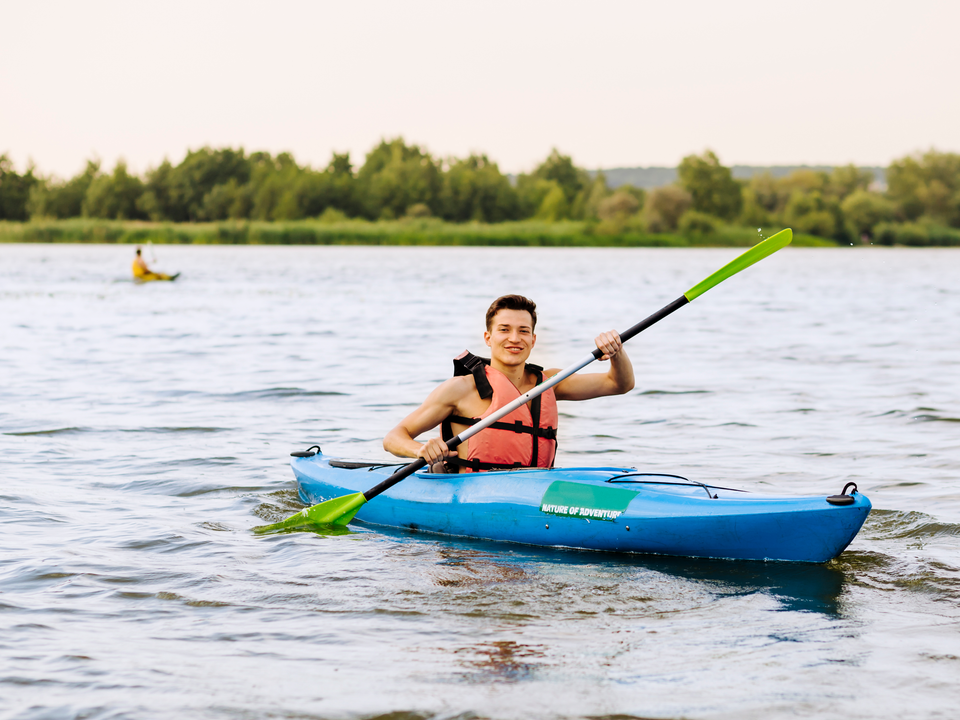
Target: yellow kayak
(152, 276)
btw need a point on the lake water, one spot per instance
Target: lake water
(145, 429)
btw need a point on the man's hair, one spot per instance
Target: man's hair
(138, 251)
(512, 302)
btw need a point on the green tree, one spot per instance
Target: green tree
(846, 180)
(665, 206)
(178, 193)
(807, 200)
(698, 224)
(272, 187)
(475, 189)
(763, 200)
(418, 211)
(865, 210)
(616, 211)
(588, 201)
(815, 212)
(307, 194)
(58, 199)
(620, 205)
(927, 184)
(822, 223)
(554, 206)
(157, 201)
(114, 196)
(226, 200)
(395, 176)
(711, 186)
(639, 194)
(754, 212)
(342, 186)
(14, 190)
(556, 171)
(530, 193)
(804, 180)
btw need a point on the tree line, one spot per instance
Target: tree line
(920, 205)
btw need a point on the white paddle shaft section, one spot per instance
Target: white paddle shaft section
(522, 400)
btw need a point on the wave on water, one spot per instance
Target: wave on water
(922, 570)
(55, 431)
(174, 430)
(77, 430)
(281, 392)
(276, 506)
(907, 525)
(892, 573)
(921, 414)
(934, 418)
(675, 392)
(262, 394)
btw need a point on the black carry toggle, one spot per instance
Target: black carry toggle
(843, 498)
(306, 453)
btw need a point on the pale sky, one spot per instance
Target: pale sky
(611, 83)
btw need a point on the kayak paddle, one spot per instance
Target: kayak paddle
(340, 511)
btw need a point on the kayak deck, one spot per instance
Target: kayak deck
(605, 508)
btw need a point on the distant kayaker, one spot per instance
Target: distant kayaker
(527, 436)
(142, 274)
(140, 269)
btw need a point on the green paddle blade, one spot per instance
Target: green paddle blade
(338, 511)
(755, 254)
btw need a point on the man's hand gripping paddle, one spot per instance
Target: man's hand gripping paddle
(341, 510)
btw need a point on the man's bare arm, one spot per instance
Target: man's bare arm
(440, 404)
(616, 381)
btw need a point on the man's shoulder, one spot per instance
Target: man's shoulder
(460, 394)
(461, 385)
(454, 389)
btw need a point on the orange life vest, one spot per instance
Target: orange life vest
(527, 437)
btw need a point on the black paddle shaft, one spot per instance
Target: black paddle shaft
(453, 442)
(644, 324)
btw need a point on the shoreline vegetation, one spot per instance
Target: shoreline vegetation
(426, 231)
(403, 195)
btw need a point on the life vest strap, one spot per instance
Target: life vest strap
(517, 427)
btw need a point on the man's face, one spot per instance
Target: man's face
(511, 337)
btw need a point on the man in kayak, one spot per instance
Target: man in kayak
(140, 269)
(527, 436)
(143, 274)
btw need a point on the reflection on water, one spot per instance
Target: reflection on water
(145, 430)
(499, 661)
(801, 587)
(815, 588)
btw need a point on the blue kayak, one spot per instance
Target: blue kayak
(600, 508)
